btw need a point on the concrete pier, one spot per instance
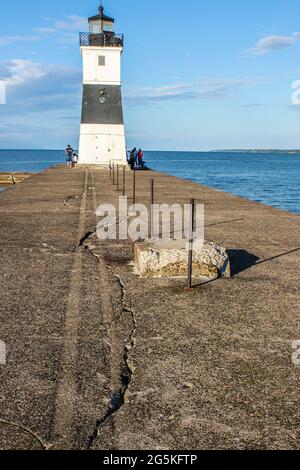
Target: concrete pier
(98, 358)
(13, 178)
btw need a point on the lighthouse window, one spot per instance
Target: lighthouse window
(101, 60)
(96, 28)
(108, 27)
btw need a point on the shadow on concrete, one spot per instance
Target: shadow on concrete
(278, 256)
(224, 222)
(241, 260)
(204, 283)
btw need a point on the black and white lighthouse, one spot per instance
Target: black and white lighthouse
(102, 135)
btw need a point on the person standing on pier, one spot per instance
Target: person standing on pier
(140, 162)
(132, 158)
(69, 154)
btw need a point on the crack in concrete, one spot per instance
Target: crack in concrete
(123, 295)
(118, 398)
(27, 430)
(85, 239)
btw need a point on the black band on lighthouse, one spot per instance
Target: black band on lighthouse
(102, 104)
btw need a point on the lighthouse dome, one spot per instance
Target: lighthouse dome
(101, 23)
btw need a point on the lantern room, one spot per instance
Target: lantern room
(101, 23)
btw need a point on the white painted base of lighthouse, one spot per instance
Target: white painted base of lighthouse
(102, 144)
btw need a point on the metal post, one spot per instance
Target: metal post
(117, 177)
(113, 172)
(151, 209)
(152, 191)
(191, 243)
(124, 181)
(134, 187)
(110, 175)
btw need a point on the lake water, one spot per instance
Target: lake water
(270, 178)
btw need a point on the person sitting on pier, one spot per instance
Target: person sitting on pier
(69, 153)
(74, 159)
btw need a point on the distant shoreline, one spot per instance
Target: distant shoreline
(267, 151)
(290, 152)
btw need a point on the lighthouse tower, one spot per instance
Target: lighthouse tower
(102, 135)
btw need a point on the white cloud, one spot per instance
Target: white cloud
(65, 30)
(45, 30)
(269, 44)
(35, 87)
(18, 72)
(8, 40)
(203, 88)
(71, 23)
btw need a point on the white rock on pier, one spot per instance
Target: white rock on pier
(169, 259)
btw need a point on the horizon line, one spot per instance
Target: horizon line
(249, 149)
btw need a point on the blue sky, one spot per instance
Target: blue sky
(197, 75)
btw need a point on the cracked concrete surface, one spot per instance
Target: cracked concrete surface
(63, 355)
(101, 359)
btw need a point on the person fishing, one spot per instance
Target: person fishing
(140, 162)
(132, 158)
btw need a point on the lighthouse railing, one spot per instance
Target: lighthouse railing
(106, 39)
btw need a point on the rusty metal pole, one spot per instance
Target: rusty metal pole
(117, 177)
(191, 243)
(152, 191)
(124, 181)
(134, 187)
(113, 172)
(152, 203)
(110, 175)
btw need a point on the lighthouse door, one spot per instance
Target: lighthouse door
(101, 149)
(95, 149)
